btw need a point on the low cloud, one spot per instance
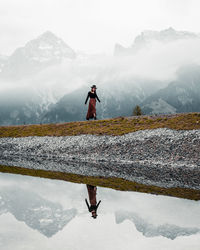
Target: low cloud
(156, 62)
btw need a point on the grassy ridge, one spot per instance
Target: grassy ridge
(115, 126)
(110, 182)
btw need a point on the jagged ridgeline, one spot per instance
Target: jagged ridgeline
(46, 81)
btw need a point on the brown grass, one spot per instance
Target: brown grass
(115, 126)
(111, 182)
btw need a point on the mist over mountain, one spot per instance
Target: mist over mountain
(116, 100)
(47, 81)
(28, 81)
(19, 106)
(181, 95)
(36, 55)
(3, 61)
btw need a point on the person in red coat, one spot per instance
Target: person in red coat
(92, 103)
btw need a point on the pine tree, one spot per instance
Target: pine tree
(137, 111)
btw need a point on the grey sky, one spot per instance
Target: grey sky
(93, 26)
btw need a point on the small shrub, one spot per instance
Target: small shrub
(137, 111)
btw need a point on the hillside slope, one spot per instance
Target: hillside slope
(116, 126)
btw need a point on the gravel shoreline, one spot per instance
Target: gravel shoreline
(161, 157)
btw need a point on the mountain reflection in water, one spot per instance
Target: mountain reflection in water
(37, 213)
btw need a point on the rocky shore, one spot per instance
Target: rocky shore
(160, 157)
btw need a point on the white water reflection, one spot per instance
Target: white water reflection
(38, 213)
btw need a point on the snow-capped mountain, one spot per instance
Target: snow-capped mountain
(182, 95)
(146, 37)
(38, 213)
(166, 35)
(37, 54)
(31, 79)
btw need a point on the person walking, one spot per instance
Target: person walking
(91, 113)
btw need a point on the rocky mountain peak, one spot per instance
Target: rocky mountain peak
(119, 49)
(48, 34)
(39, 53)
(146, 37)
(166, 35)
(46, 47)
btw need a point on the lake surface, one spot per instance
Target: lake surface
(37, 213)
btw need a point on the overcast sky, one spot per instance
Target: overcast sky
(92, 26)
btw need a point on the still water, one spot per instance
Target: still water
(37, 213)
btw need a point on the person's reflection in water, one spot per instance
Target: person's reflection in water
(92, 208)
